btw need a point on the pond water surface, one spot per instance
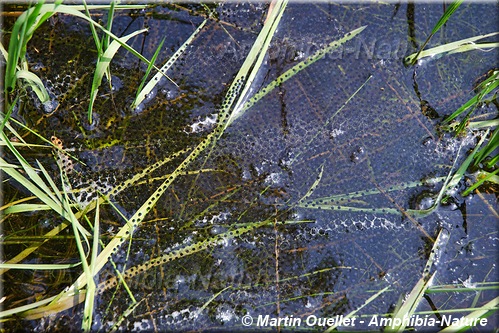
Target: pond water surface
(329, 163)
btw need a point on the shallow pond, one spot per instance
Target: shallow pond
(304, 208)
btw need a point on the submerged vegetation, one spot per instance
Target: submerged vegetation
(173, 185)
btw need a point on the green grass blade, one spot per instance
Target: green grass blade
(162, 72)
(491, 146)
(300, 66)
(493, 161)
(38, 187)
(4, 164)
(146, 74)
(483, 312)
(262, 44)
(22, 208)
(409, 306)
(55, 190)
(17, 48)
(33, 189)
(23, 30)
(185, 251)
(103, 65)
(474, 47)
(140, 214)
(367, 302)
(488, 86)
(39, 266)
(21, 309)
(449, 47)
(411, 302)
(5, 118)
(313, 187)
(91, 288)
(95, 36)
(35, 83)
(443, 19)
(483, 124)
(458, 287)
(109, 25)
(482, 178)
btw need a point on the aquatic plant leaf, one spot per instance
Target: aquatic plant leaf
(30, 306)
(4, 164)
(374, 191)
(473, 47)
(17, 45)
(456, 287)
(98, 44)
(5, 121)
(410, 304)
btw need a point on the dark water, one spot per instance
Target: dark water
(323, 252)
